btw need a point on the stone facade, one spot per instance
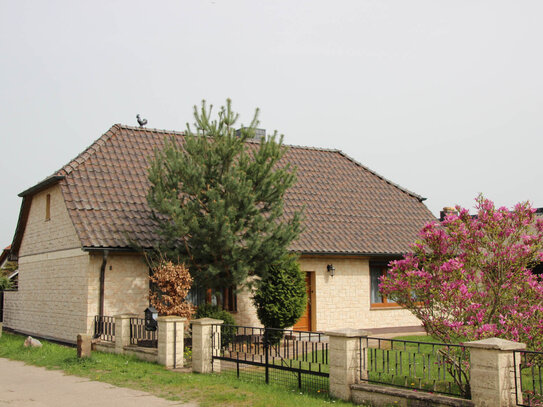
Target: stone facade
(52, 295)
(338, 302)
(126, 286)
(46, 236)
(59, 283)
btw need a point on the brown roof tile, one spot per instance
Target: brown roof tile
(349, 208)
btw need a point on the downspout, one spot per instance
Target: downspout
(102, 283)
(99, 325)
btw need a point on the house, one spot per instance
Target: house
(9, 269)
(76, 230)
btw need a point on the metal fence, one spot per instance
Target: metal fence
(294, 359)
(104, 328)
(424, 366)
(140, 336)
(528, 378)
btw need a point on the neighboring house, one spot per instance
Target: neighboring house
(4, 257)
(75, 232)
(9, 268)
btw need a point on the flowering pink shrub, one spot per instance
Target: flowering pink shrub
(469, 278)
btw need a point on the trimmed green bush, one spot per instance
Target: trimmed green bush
(280, 298)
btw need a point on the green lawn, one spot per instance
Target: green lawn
(419, 366)
(120, 370)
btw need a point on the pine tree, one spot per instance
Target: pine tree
(218, 199)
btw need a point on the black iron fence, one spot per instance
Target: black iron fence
(528, 378)
(140, 336)
(424, 366)
(295, 359)
(104, 328)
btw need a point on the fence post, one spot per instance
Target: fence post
(344, 361)
(122, 332)
(203, 346)
(492, 372)
(171, 337)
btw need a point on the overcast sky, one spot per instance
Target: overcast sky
(442, 97)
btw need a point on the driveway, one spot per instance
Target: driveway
(29, 386)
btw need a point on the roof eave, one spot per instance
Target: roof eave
(361, 254)
(46, 183)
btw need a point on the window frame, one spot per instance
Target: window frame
(383, 269)
(47, 207)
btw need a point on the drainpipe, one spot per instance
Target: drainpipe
(100, 328)
(102, 282)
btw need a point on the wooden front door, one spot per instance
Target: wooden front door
(304, 323)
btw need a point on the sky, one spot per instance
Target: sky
(444, 98)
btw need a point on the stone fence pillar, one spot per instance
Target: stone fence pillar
(206, 341)
(492, 372)
(122, 332)
(344, 360)
(171, 345)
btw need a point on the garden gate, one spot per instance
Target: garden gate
(296, 359)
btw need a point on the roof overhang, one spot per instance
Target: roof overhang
(46, 183)
(351, 254)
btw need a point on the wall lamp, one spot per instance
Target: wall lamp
(330, 268)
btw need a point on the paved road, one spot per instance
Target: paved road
(29, 386)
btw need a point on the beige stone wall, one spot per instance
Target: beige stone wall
(59, 283)
(342, 301)
(126, 285)
(52, 296)
(246, 314)
(41, 235)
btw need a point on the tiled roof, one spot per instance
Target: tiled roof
(349, 208)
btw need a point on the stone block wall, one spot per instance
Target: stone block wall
(52, 296)
(342, 301)
(126, 287)
(57, 233)
(59, 283)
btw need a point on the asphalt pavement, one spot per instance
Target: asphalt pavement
(30, 386)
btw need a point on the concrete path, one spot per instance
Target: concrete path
(29, 386)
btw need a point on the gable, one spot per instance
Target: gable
(42, 235)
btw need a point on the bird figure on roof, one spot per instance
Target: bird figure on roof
(141, 122)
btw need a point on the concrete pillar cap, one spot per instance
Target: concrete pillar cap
(495, 344)
(347, 333)
(171, 318)
(207, 321)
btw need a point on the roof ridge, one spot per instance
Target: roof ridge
(407, 191)
(182, 133)
(95, 146)
(151, 129)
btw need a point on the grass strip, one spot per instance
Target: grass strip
(127, 371)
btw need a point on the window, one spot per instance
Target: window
(48, 207)
(538, 270)
(225, 298)
(378, 300)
